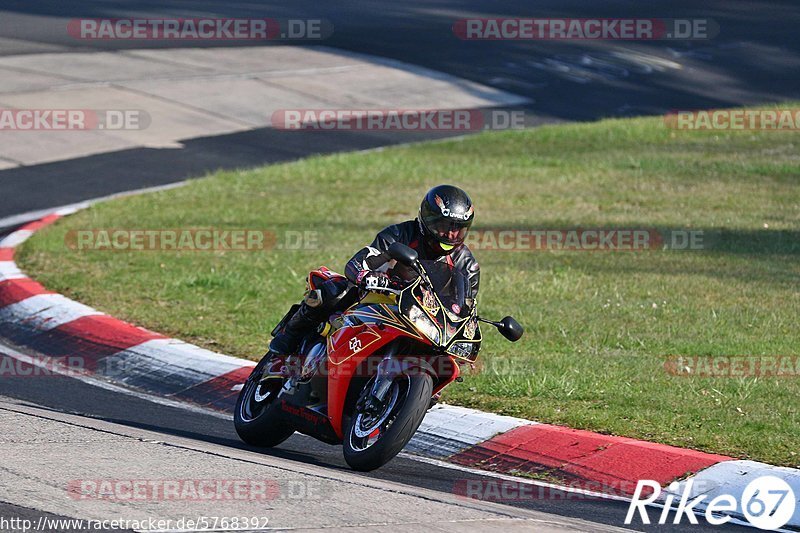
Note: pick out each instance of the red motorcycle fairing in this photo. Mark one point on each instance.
(348, 348)
(374, 326)
(448, 372)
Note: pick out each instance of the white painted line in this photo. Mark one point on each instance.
(68, 209)
(9, 270)
(447, 430)
(184, 355)
(168, 365)
(22, 218)
(44, 312)
(95, 382)
(12, 240)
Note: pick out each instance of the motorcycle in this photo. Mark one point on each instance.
(366, 380)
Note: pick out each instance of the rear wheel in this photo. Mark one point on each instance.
(256, 417)
(374, 438)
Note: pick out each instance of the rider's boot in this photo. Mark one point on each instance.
(315, 308)
(284, 346)
(303, 322)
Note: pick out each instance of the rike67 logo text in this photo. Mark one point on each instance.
(767, 502)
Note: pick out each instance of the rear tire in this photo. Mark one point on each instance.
(402, 420)
(257, 418)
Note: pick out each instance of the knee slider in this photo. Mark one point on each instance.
(314, 298)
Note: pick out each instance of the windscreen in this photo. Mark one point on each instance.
(449, 283)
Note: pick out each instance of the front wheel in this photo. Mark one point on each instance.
(256, 415)
(373, 439)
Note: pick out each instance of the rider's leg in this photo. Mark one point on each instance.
(317, 306)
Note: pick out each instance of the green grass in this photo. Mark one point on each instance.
(598, 324)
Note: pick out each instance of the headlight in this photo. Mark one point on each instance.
(461, 349)
(423, 323)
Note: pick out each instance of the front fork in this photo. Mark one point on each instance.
(388, 370)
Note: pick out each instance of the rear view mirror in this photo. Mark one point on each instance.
(510, 329)
(403, 254)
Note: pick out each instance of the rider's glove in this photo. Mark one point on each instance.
(369, 280)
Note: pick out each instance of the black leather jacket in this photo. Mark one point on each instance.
(409, 234)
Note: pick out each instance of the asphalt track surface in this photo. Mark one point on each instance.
(755, 59)
(70, 395)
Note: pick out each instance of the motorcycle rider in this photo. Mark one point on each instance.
(445, 216)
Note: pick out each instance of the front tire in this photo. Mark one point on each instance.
(256, 417)
(372, 441)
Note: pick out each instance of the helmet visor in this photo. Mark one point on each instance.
(449, 231)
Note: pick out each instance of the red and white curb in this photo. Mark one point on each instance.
(121, 353)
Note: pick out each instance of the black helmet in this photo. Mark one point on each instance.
(445, 216)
